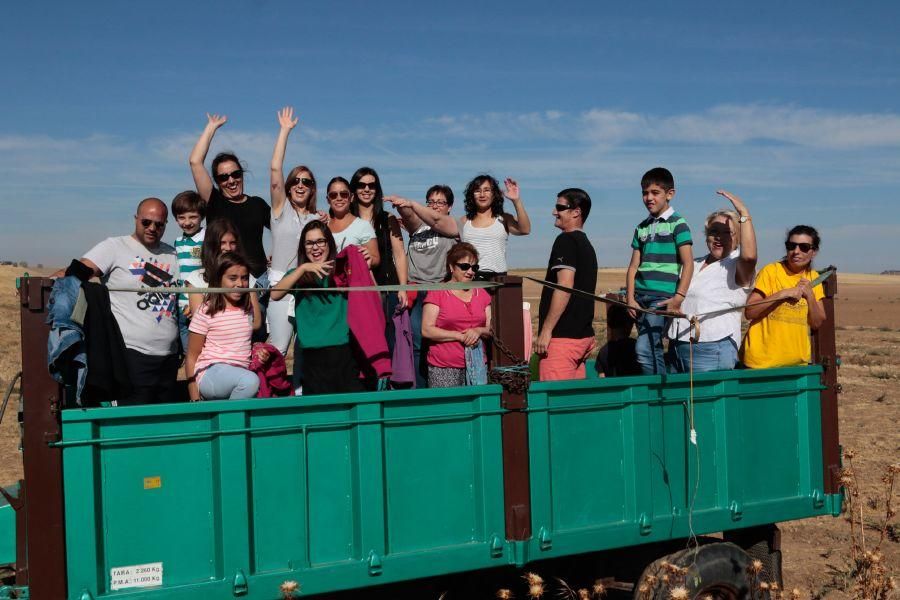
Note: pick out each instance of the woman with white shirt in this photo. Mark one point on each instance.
(722, 279)
(347, 228)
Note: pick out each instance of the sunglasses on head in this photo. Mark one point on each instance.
(804, 247)
(464, 266)
(305, 181)
(237, 175)
(562, 207)
(148, 222)
(367, 186)
(341, 194)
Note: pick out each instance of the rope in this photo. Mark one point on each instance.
(420, 287)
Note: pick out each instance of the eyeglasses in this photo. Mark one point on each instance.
(148, 222)
(237, 175)
(319, 243)
(804, 247)
(562, 207)
(305, 181)
(486, 191)
(467, 266)
(335, 195)
(436, 203)
(367, 186)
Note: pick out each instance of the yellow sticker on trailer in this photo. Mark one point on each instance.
(151, 483)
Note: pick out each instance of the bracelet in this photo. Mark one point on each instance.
(680, 294)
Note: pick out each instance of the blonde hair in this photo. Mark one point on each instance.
(731, 216)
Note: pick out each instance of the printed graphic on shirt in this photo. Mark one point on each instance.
(793, 314)
(155, 274)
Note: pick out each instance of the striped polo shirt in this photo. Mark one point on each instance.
(658, 240)
(227, 337)
(187, 249)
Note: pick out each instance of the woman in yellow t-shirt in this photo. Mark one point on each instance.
(779, 331)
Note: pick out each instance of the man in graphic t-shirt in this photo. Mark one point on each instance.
(147, 319)
(565, 327)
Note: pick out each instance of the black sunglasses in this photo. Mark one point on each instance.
(306, 181)
(804, 247)
(148, 222)
(364, 186)
(340, 194)
(562, 207)
(237, 175)
(467, 266)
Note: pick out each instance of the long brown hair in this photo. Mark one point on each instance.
(212, 244)
(313, 190)
(216, 301)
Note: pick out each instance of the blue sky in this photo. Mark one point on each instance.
(793, 106)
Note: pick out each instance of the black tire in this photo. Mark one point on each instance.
(718, 570)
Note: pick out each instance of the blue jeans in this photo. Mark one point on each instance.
(708, 356)
(651, 329)
(221, 381)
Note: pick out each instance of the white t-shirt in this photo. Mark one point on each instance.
(713, 288)
(358, 233)
(490, 241)
(147, 320)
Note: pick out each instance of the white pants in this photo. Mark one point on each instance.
(281, 331)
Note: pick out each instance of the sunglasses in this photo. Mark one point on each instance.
(335, 195)
(319, 243)
(367, 186)
(305, 181)
(148, 222)
(562, 207)
(237, 175)
(804, 247)
(467, 266)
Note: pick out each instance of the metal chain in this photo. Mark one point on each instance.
(515, 377)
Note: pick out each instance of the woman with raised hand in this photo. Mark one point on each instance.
(455, 319)
(225, 198)
(722, 279)
(347, 228)
(778, 335)
(321, 317)
(485, 225)
(293, 206)
(219, 344)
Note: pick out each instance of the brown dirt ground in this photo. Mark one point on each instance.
(868, 324)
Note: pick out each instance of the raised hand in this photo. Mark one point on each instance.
(319, 269)
(399, 202)
(512, 189)
(735, 201)
(286, 118)
(216, 121)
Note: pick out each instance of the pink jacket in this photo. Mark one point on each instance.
(273, 379)
(365, 314)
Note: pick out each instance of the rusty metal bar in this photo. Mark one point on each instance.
(508, 325)
(42, 398)
(825, 353)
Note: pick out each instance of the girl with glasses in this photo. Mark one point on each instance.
(321, 317)
(778, 335)
(455, 319)
(223, 193)
(722, 279)
(293, 206)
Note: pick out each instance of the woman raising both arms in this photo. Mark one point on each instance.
(486, 226)
(250, 214)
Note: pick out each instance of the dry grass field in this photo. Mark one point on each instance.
(868, 322)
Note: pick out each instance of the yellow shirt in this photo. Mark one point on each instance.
(781, 338)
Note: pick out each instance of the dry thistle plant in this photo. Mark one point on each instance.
(535, 585)
(288, 589)
(504, 594)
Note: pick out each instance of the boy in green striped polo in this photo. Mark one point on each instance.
(661, 267)
(189, 210)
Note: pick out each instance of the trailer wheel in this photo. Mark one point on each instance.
(718, 571)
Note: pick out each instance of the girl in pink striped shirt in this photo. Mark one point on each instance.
(218, 353)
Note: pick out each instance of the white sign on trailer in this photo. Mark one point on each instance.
(136, 576)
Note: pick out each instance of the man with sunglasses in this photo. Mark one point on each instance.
(147, 320)
(565, 322)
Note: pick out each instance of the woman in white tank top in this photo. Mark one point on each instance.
(486, 226)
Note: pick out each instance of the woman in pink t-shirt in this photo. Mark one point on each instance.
(454, 319)
(218, 353)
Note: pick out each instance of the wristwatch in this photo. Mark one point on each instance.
(744, 218)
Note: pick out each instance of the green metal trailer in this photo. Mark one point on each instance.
(233, 498)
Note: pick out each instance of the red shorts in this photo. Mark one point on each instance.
(565, 358)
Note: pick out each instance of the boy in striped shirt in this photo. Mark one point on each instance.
(189, 210)
(661, 267)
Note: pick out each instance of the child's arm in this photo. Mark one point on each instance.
(202, 179)
(276, 175)
(195, 346)
(629, 282)
(520, 224)
(194, 300)
(686, 257)
(291, 279)
(257, 313)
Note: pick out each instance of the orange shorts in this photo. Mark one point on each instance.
(565, 358)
